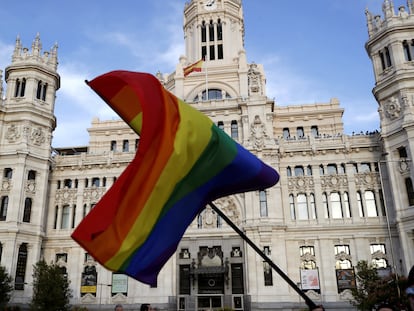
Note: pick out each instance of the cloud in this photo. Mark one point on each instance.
(288, 86)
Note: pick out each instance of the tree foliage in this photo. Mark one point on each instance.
(6, 287)
(51, 290)
(373, 289)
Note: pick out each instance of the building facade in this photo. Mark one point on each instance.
(341, 198)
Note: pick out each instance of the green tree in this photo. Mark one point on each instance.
(373, 290)
(6, 287)
(51, 290)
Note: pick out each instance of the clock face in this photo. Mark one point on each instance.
(210, 4)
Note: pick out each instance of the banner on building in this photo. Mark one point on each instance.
(345, 278)
(310, 279)
(119, 284)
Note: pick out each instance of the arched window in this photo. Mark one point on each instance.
(309, 170)
(347, 207)
(288, 171)
(219, 39)
(203, 32)
(312, 207)
(299, 171)
(321, 170)
(370, 203)
(213, 94)
(407, 51)
(56, 217)
(302, 206)
(336, 206)
(300, 132)
(286, 133)
(219, 30)
(211, 32)
(21, 267)
(16, 91)
(365, 168)
(27, 209)
(20, 88)
(325, 204)
(8, 173)
(65, 217)
(220, 125)
(341, 169)
(378, 255)
(95, 182)
(332, 169)
(31, 175)
(125, 145)
(73, 216)
(360, 206)
(314, 131)
(292, 206)
(113, 145)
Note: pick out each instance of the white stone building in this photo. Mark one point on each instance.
(326, 213)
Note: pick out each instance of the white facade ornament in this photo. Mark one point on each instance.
(392, 108)
(258, 133)
(13, 133)
(38, 136)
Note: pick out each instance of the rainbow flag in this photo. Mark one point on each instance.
(193, 67)
(183, 162)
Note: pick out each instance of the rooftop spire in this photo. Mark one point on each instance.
(388, 8)
(36, 45)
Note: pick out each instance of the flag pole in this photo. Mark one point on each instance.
(308, 301)
(205, 66)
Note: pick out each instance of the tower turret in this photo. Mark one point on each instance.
(27, 122)
(391, 49)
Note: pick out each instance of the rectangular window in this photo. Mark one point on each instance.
(3, 207)
(95, 182)
(237, 286)
(263, 203)
(65, 217)
(184, 285)
(113, 146)
(212, 54)
(300, 132)
(268, 276)
(8, 173)
(31, 175)
(125, 146)
(220, 51)
(234, 130)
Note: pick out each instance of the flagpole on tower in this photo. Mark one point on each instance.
(205, 66)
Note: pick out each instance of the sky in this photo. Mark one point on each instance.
(311, 51)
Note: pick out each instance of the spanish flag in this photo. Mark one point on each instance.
(183, 162)
(197, 66)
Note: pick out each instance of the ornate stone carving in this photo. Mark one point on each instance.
(31, 186)
(38, 136)
(228, 206)
(254, 80)
(13, 133)
(258, 133)
(392, 108)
